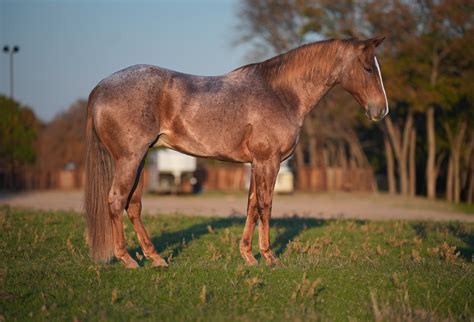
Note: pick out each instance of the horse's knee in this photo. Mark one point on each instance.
(264, 204)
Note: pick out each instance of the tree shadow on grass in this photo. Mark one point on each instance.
(288, 228)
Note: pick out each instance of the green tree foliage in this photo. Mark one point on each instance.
(18, 131)
(18, 126)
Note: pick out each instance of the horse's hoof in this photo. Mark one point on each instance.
(127, 261)
(271, 259)
(273, 262)
(130, 264)
(250, 259)
(158, 262)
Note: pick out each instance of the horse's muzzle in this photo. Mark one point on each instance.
(376, 112)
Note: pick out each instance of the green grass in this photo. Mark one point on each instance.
(330, 270)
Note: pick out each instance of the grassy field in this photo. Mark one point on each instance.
(330, 270)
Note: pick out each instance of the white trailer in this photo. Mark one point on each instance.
(166, 169)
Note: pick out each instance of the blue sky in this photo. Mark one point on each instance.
(68, 46)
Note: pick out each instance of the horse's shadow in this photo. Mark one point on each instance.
(288, 228)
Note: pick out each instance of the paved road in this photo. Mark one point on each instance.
(335, 205)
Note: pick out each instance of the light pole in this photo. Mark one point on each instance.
(11, 51)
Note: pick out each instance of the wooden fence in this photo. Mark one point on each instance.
(335, 179)
(233, 178)
(226, 178)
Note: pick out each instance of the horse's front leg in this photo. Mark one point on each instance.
(265, 178)
(252, 216)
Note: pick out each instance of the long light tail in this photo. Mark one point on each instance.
(99, 172)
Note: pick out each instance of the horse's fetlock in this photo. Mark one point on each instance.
(244, 244)
(119, 253)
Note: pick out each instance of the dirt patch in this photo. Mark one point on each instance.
(326, 205)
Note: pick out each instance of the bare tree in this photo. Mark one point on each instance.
(62, 140)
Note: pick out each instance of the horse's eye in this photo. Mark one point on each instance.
(368, 69)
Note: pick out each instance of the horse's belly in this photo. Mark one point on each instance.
(212, 148)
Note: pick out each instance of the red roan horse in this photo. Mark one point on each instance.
(252, 114)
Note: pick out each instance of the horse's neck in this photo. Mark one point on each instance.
(307, 83)
(309, 94)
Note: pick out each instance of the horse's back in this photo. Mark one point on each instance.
(135, 81)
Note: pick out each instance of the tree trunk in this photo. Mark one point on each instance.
(404, 157)
(392, 187)
(449, 180)
(412, 163)
(299, 164)
(431, 173)
(470, 162)
(457, 161)
(455, 142)
(326, 160)
(299, 156)
(400, 145)
(470, 189)
(355, 149)
(456, 177)
(313, 157)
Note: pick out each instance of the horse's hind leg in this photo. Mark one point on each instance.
(124, 177)
(134, 210)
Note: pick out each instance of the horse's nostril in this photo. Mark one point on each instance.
(381, 114)
(368, 114)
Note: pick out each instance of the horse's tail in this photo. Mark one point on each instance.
(99, 172)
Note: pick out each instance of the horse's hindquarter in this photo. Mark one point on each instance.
(123, 110)
(227, 117)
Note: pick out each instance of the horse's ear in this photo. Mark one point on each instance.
(376, 41)
(370, 43)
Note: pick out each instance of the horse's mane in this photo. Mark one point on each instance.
(305, 59)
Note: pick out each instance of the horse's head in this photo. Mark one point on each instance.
(363, 79)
